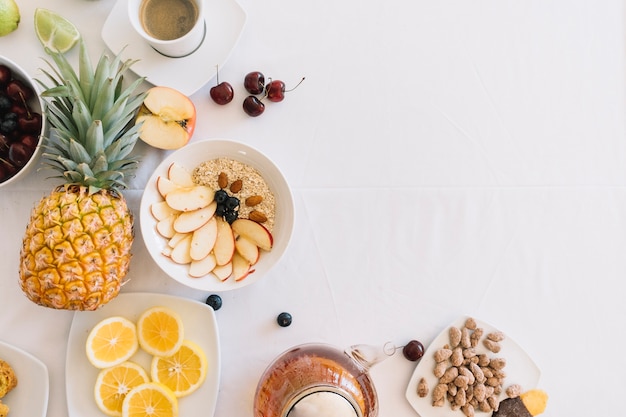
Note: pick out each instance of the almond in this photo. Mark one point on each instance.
(257, 216)
(253, 200)
(236, 186)
(222, 180)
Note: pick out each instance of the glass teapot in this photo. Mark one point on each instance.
(319, 380)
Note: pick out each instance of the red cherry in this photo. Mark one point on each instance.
(29, 140)
(276, 90)
(222, 93)
(29, 123)
(413, 350)
(254, 82)
(18, 91)
(253, 106)
(19, 153)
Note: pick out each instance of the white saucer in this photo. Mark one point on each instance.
(225, 20)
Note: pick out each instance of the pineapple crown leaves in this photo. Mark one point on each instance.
(92, 117)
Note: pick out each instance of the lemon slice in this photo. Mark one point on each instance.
(54, 31)
(160, 331)
(111, 342)
(150, 400)
(114, 383)
(183, 372)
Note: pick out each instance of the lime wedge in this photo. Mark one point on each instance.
(54, 31)
(9, 16)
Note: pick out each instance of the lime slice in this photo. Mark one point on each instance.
(9, 16)
(54, 31)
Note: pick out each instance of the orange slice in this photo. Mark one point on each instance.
(114, 383)
(150, 400)
(160, 331)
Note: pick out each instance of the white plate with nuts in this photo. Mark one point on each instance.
(192, 231)
(468, 369)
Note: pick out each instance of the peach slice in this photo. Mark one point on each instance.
(224, 247)
(254, 231)
(202, 267)
(203, 240)
(247, 249)
(188, 221)
(189, 199)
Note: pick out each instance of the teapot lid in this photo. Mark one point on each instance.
(323, 404)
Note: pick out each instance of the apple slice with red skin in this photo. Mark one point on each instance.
(203, 240)
(165, 186)
(188, 221)
(167, 117)
(254, 231)
(223, 272)
(161, 210)
(190, 199)
(247, 249)
(224, 247)
(202, 267)
(241, 267)
(179, 175)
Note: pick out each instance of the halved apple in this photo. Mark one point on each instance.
(203, 240)
(179, 175)
(202, 267)
(224, 247)
(247, 249)
(191, 198)
(254, 231)
(188, 221)
(161, 210)
(167, 117)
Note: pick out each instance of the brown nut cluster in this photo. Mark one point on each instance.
(235, 187)
(467, 379)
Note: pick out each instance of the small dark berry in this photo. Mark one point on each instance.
(231, 216)
(232, 203)
(220, 196)
(284, 319)
(214, 301)
(413, 350)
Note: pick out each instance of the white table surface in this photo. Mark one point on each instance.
(446, 158)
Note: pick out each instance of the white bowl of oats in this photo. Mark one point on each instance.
(216, 215)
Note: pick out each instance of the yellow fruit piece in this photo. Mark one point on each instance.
(160, 331)
(150, 400)
(114, 383)
(183, 372)
(535, 401)
(54, 31)
(111, 342)
(9, 16)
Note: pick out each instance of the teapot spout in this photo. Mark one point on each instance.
(366, 356)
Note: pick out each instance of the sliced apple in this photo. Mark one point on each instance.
(254, 231)
(247, 249)
(167, 251)
(167, 118)
(180, 175)
(202, 267)
(165, 186)
(224, 247)
(176, 238)
(203, 240)
(189, 221)
(189, 199)
(241, 267)
(165, 227)
(180, 252)
(161, 210)
(223, 272)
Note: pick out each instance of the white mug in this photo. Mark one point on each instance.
(161, 32)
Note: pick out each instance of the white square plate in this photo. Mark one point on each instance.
(30, 396)
(200, 327)
(225, 21)
(520, 369)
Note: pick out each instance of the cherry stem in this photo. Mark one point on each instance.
(296, 86)
(25, 104)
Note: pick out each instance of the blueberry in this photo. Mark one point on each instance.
(5, 102)
(220, 196)
(214, 301)
(230, 216)
(284, 319)
(220, 211)
(8, 125)
(232, 203)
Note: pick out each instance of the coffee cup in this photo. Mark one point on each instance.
(174, 28)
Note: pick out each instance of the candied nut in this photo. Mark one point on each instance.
(222, 180)
(493, 402)
(236, 186)
(484, 406)
(439, 393)
(442, 354)
(497, 363)
(455, 336)
(492, 345)
(513, 391)
(480, 392)
(465, 338)
(476, 335)
(468, 410)
(496, 336)
(457, 356)
(257, 216)
(449, 375)
(478, 372)
(422, 388)
(440, 369)
(253, 200)
(483, 360)
(439, 402)
(452, 389)
(469, 353)
(461, 381)
(470, 323)
(460, 399)
(493, 381)
(470, 376)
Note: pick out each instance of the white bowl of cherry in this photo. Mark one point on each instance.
(22, 122)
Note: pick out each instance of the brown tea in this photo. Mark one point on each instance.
(168, 19)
